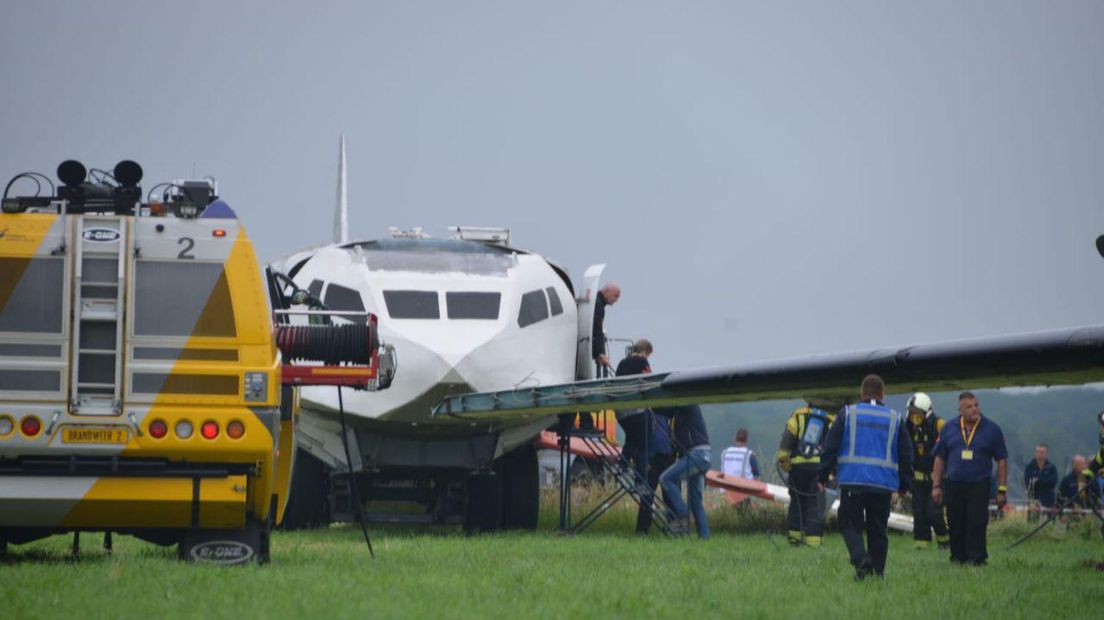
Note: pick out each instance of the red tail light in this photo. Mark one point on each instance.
(30, 426)
(235, 430)
(158, 429)
(209, 430)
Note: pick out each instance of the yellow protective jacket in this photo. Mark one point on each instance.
(791, 439)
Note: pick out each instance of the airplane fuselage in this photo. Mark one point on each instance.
(462, 316)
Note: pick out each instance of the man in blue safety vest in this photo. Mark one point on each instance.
(870, 451)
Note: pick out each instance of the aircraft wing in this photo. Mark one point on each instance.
(1057, 357)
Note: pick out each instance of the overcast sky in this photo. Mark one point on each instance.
(764, 181)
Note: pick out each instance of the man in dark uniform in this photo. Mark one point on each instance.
(799, 455)
(870, 450)
(923, 428)
(964, 455)
(632, 421)
(1040, 480)
(661, 457)
(608, 296)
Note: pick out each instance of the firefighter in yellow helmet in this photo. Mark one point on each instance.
(923, 428)
(799, 456)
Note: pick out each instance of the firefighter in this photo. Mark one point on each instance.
(799, 456)
(924, 428)
(1098, 462)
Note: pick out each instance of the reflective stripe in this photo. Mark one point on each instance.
(921, 476)
(867, 460)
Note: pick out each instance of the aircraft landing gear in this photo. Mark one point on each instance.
(483, 512)
(309, 498)
(520, 473)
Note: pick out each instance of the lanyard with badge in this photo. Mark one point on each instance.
(967, 453)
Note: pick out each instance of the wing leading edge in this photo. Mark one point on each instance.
(1056, 357)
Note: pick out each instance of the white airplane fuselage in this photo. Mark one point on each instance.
(462, 316)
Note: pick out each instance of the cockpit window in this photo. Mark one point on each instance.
(473, 305)
(554, 301)
(341, 298)
(412, 304)
(534, 308)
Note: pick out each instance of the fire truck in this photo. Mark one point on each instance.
(143, 390)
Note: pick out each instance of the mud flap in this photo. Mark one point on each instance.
(227, 546)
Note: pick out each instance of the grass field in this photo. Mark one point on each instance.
(604, 572)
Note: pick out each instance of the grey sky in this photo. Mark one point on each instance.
(765, 181)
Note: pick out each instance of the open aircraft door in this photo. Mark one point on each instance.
(588, 293)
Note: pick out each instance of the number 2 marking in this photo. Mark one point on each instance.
(188, 244)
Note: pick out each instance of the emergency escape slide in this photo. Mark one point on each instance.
(1055, 357)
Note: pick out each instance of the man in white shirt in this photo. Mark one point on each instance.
(739, 461)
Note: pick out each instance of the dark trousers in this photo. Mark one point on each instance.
(926, 514)
(967, 517)
(657, 464)
(635, 427)
(806, 511)
(868, 512)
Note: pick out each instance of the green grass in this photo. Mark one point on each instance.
(604, 572)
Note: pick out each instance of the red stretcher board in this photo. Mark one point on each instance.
(548, 441)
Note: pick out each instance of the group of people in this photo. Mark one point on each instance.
(668, 446)
(867, 450)
(871, 452)
(1079, 488)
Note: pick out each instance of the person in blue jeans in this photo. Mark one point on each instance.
(692, 441)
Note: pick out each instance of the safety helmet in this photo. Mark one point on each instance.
(921, 401)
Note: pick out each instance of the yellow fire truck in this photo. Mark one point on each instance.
(140, 378)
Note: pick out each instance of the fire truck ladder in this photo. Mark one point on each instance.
(99, 295)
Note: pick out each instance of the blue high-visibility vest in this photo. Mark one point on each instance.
(868, 453)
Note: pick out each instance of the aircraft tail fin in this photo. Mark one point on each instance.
(341, 215)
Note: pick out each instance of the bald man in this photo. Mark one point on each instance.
(608, 296)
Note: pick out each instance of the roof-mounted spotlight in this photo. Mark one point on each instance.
(128, 173)
(71, 172)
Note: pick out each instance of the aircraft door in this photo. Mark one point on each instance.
(588, 292)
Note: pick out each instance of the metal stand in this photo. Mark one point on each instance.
(630, 481)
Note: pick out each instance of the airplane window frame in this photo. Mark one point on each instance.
(554, 303)
(463, 307)
(526, 308)
(388, 297)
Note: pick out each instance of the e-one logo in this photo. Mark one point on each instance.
(222, 552)
(101, 235)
